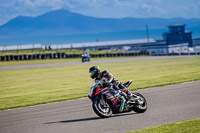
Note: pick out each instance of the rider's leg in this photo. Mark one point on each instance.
(124, 89)
(121, 87)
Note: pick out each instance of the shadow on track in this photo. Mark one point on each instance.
(90, 119)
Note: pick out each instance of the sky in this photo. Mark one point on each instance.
(10, 9)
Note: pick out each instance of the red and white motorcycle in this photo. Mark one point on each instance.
(108, 101)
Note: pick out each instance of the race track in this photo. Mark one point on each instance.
(18, 67)
(168, 104)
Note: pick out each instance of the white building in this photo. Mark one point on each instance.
(178, 48)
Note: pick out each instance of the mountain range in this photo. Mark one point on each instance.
(63, 22)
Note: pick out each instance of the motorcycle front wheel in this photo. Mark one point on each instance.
(141, 104)
(104, 111)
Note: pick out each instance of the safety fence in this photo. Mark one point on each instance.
(63, 55)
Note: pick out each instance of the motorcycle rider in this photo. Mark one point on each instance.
(86, 55)
(107, 79)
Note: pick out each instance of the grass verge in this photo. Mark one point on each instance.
(31, 62)
(46, 61)
(191, 126)
(27, 87)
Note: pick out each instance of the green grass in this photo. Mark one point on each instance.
(30, 62)
(27, 87)
(45, 61)
(191, 126)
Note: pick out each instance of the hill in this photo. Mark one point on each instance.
(63, 22)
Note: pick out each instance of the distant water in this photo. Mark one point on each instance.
(81, 38)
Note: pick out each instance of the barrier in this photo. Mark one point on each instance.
(2, 58)
(57, 56)
(63, 55)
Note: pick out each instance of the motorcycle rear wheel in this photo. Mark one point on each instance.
(140, 106)
(83, 60)
(100, 110)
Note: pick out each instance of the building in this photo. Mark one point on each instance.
(178, 48)
(156, 49)
(164, 49)
(175, 41)
(177, 35)
(196, 45)
(196, 42)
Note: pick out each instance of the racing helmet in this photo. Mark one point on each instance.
(94, 71)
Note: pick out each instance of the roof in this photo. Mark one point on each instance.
(161, 43)
(176, 25)
(16, 47)
(81, 45)
(188, 31)
(105, 43)
(178, 45)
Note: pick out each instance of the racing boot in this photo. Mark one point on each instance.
(129, 95)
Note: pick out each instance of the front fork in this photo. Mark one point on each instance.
(102, 101)
(123, 100)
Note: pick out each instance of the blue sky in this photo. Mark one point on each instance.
(10, 9)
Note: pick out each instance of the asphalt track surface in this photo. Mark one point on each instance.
(5, 68)
(168, 104)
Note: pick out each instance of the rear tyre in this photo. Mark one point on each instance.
(83, 60)
(100, 110)
(141, 105)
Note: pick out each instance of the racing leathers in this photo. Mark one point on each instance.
(107, 79)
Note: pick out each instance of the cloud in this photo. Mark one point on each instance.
(122, 2)
(147, 7)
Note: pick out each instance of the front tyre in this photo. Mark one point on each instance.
(103, 111)
(141, 104)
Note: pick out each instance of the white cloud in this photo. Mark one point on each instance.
(122, 3)
(147, 7)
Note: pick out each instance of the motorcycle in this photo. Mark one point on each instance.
(108, 101)
(85, 58)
